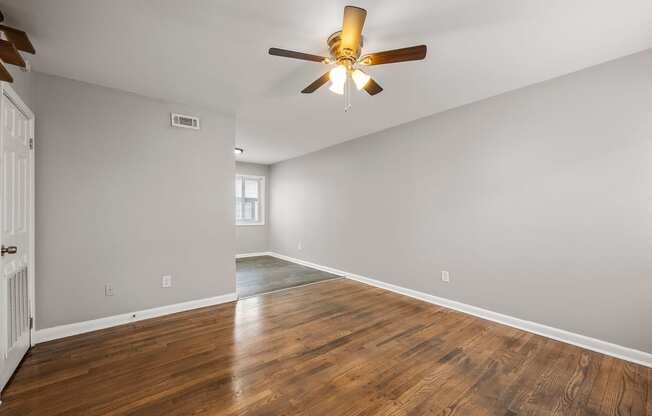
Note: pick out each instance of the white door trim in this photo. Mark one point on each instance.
(11, 94)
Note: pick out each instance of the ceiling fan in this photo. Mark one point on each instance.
(345, 53)
(14, 40)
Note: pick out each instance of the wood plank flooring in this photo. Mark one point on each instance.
(334, 348)
(263, 274)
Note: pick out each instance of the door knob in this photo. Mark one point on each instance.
(8, 250)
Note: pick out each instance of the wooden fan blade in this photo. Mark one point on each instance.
(316, 84)
(297, 55)
(5, 75)
(351, 36)
(372, 87)
(414, 53)
(10, 54)
(18, 38)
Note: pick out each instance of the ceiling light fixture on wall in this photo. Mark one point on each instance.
(238, 150)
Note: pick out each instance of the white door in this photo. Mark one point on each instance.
(15, 221)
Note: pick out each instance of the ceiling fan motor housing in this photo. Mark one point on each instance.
(341, 55)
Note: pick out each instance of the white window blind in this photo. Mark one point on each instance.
(249, 200)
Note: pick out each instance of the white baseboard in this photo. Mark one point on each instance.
(309, 264)
(62, 331)
(593, 344)
(245, 255)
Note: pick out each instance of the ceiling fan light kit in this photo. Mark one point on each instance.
(360, 78)
(345, 53)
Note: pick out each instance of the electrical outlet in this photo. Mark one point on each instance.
(166, 280)
(445, 276)
(300, 246)
(108, 289)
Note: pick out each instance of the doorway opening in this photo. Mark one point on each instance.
(257, 271)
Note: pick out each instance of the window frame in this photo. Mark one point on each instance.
(261, 199)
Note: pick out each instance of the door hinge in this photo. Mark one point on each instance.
(31, 323)
(31, 143)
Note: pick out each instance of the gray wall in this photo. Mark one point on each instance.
(122, 198)
(22, 84)
(538, 202)
(253, 238)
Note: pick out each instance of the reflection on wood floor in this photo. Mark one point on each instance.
(334, 348)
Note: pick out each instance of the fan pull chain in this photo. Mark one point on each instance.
(347, 93)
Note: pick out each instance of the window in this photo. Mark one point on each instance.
(249, 200)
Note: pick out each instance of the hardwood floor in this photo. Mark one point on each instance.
(263, 274)
(334, 348)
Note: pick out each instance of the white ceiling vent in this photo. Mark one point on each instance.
(186, 122)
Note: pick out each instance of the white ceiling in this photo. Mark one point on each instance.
(214, 54)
